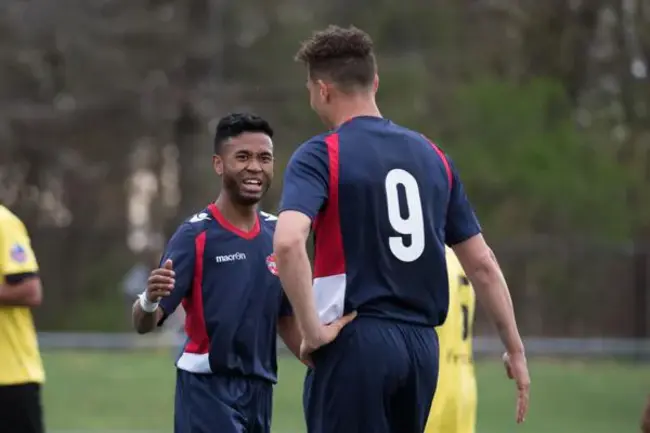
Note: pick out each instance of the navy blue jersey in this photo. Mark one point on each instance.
(227, 281)
(384, 200)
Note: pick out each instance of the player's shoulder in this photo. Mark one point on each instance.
(194, 224)
(267, 220)
(311, 156)
(316, 145)
(7, 216)
(417, 137)
(10, 220)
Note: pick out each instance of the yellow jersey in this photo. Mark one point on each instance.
(20, 360)
(454, 405)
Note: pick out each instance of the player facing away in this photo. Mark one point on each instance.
(383, 201)
(220, 265)
(454, 406)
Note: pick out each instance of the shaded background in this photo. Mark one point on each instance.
(107, 108)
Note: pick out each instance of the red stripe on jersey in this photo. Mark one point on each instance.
(329, 258)
(441, 154)
(193, 305)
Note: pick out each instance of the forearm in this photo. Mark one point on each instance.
(296, 277)
(290, 333)
(27, 293)
(144, 322)
(492, 292)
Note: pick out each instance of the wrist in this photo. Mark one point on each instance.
(311, 329)
(146, 304)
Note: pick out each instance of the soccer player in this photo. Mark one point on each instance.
(454, 406)
(21, 368)
(220, 265)
(383, 201)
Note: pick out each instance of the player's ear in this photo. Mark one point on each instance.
(323, 90)
(217, 164)
(375, 83)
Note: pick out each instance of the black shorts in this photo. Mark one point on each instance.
(20, 408)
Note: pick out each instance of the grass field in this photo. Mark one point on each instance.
(100, 392)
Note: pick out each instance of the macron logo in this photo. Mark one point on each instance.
(230, 258)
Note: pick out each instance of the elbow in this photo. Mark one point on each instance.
(34, 295)
(36, 300)
(484, 268)
(285, 243)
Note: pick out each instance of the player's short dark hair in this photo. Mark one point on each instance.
(235, 124)
(343, 55)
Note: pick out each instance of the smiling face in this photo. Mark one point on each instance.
(246, 166)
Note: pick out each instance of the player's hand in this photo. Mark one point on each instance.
(645, 420)
(161, 282)
(326, 335)
(517, 369)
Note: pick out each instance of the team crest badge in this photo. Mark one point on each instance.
(18, 254)
(271, 264)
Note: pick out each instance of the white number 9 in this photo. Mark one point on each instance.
(413, 224)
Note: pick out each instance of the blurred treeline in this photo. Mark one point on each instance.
(543, 105)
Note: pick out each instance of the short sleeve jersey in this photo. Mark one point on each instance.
(20, 360)
(384, 201)
(226, 280)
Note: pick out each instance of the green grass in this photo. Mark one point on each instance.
(100, 391)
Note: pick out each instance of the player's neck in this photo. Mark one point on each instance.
(242, 217)
(355, 108)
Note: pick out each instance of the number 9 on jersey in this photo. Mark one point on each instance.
(413, 224)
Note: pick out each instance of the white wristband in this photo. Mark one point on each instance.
(146, 305)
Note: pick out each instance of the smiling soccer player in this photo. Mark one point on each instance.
(220, 265)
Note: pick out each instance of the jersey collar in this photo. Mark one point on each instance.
(248, 235)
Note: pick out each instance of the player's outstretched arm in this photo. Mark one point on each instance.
(492, 292)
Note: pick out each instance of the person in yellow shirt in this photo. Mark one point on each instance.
(454, 405)
(21, 369)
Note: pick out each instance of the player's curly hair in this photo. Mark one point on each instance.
(235, 124)
(342, 55)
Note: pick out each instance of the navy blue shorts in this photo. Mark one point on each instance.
(208, 403)
(378, 376)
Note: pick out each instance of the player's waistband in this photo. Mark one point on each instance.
(372, 315)
(200, 364)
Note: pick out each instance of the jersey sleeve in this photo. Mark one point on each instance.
(182, 251)
(306, 179)
(17, 259)
(461, 223)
